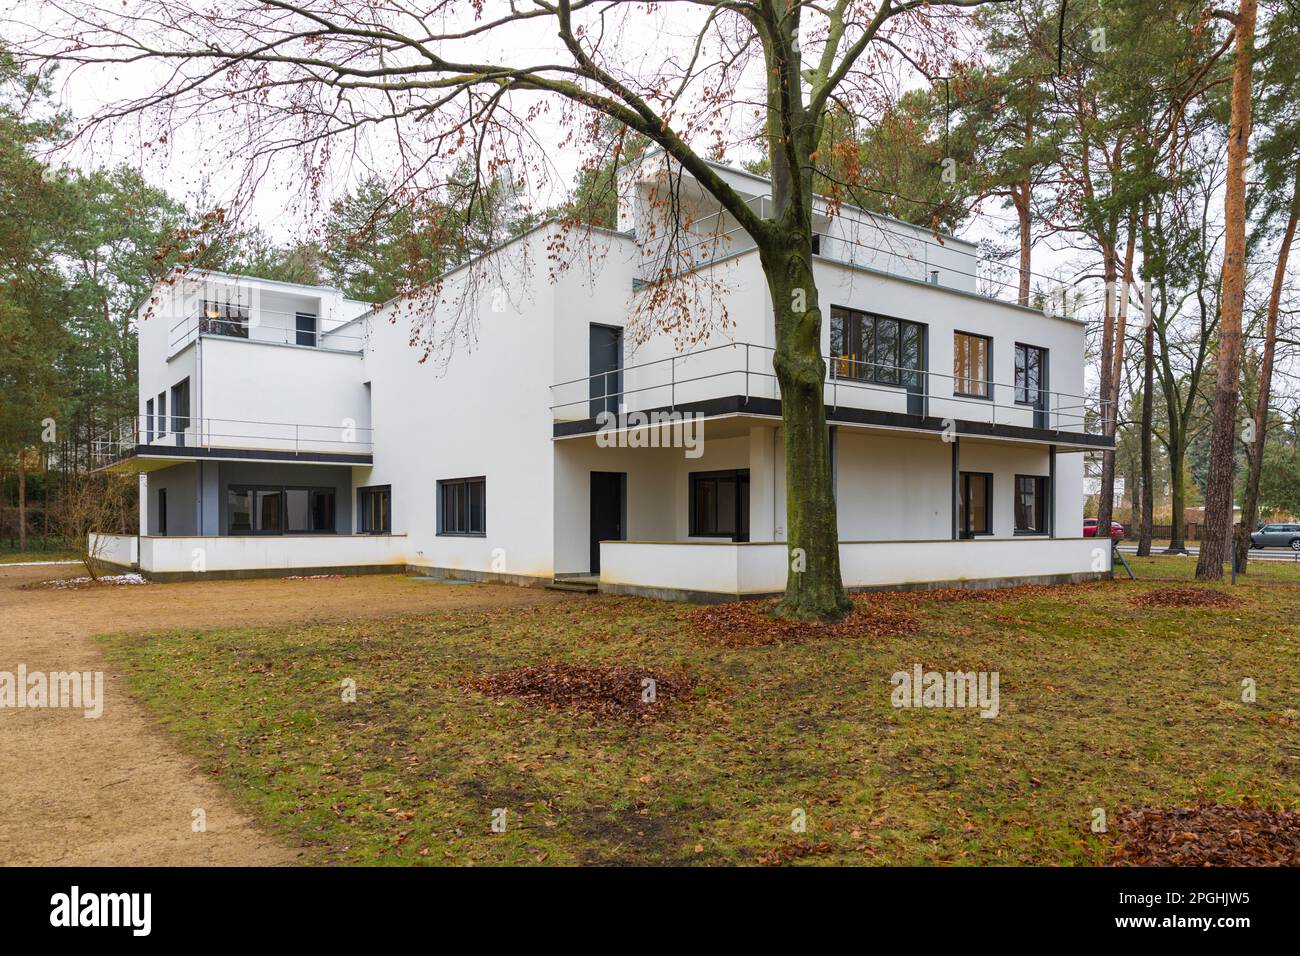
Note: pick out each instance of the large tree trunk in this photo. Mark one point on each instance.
(1250, 505)
(1148, 407)
(1216, 542)
(814, 590)
(1106, 498)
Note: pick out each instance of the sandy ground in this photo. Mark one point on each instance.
(116, 791)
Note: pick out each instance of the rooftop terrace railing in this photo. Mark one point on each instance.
(259, 325)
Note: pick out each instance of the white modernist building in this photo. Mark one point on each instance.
(530, 424)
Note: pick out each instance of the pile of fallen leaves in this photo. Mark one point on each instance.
(746, 623)
(1185, 597)
(789, 852)
(74, 584)
(959, 595)
(617, 693)
(1211, 834)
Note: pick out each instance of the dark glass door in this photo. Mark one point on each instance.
(1031, 382)
(608, 508)
(606, 369)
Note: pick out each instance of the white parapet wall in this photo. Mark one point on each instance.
(119, 549)
(199, 555)
(737, 569)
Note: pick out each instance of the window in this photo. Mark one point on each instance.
(605, 364)
(148, 421)
(720, 504)
(975, 504)
(462, 506)
(224, 318)
(1031, 504)
(181, 406)
(162, 414)
(277, 510)
(1031, 376)
(971, 362)
(375, 510)
(162, 511)
(875, 348)
(305, 328)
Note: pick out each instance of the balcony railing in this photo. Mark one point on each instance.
(232, 434)
(259, 325)
(743, 368)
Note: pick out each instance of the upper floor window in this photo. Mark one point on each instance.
(148, 421)
(876, 348)
(181, 406)
(1031, 375)
(375, 510)
(304, 328)
(462, 506)
(224, 318)
(971, 364)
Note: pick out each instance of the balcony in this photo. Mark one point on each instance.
(261, 325)
(737, 378)
(138, 444)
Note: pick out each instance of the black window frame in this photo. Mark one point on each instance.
(162, 512)
(161, 410)
(148, 421)
(844, 365)
(282, 491)
(987, 381)
(385, 495)
(1042, 498)
(740, 498)
(312, 335)
(964, 511)
(1024, 348)
(451, 486)
(231, 319)
(180, 423)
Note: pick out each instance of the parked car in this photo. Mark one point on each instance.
(1090, 529)
(1277, 536)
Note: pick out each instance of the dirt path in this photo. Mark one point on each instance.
(116, 790)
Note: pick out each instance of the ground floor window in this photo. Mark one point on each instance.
(975, 511)
(375, 509)
(1031, 504)
(162, 510)
(720, 504)
(462, 506)
(279, 510)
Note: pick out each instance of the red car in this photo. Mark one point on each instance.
(1090, 529)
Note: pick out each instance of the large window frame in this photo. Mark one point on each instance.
(375, 509)
(462, 507)
(965, 525)
(869, 347)
(181, 406)
(965, 383)
(1038, 489)
(306, 329)
(708, 518)
(280, 494)
(224, 318)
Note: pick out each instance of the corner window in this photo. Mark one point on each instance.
(720, 504)
(975, 504)
(1031, 504)
(462, 506)
(375, 510)
(971, 365)
(224, 318)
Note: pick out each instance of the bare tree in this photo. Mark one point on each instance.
(91, 506)
(315, 78)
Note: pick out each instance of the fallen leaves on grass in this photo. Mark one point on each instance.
(986, 595)
(617, 693)
(789, 852)
(744, 623)
(75, 584)
(1211, 834)
(1185, 597)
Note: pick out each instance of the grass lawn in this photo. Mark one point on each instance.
(1103, 703)
(38, 549)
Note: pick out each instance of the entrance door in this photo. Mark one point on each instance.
(606, 369)
(608, 511)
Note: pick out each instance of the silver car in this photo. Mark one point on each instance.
(1277, 536)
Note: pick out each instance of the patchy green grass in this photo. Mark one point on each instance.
(38, 549)
(1103, 704)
